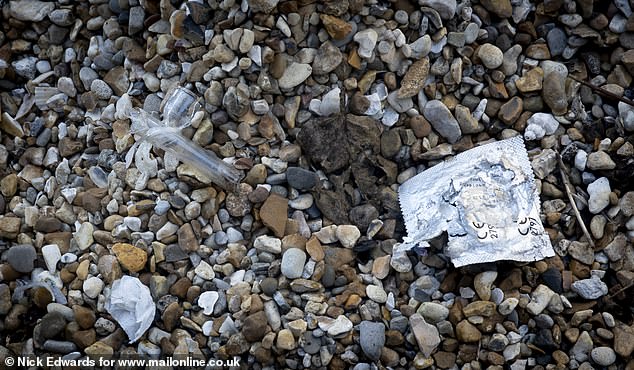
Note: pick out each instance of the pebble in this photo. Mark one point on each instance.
(348, 235)
(207, 301)
(372, 338)
(442, 120)
(93, 286)
(426, 335)
(491, 56)
(293, 261)
(21, 258)
(603, 356)
(294, 74)
(592, 288)
(432, 312)
(599, 191)
(367, 42)
(539, 125)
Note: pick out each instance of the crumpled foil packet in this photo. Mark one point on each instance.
(487, 202)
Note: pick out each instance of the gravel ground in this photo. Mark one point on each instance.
(326, 107)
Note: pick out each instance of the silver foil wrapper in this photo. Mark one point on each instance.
(487, 202)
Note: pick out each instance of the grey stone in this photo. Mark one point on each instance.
(300, 178)
(372, 338)
(30, 10)
(293, 262)
(21, 258)
(442, 120)
(446, 8)
(592, 288)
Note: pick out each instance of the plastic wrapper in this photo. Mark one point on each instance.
(487, 202)
(131, 304)
(179, 107)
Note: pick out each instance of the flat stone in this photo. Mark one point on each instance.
(274, 213)
(426, 335)
(446, 8)
(30, 10)
(599, 191)
(491, 56)
(372, 338)
(414, 79)
(293, 262)
(467, 332)
(442, 120)
(130, 257)
(433, 312)
(294, 74)
(21, 258)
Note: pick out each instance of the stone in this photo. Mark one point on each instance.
(187, 240)
(446, 8)
(84, 316)
(599, 191)
(432, 312)
(254, 326)
(426, 335)
(327, 59)
(339, 326)
(592, 288)
(376, 293)
(301, 179)
(600, 160)
(582, 347)
(84, 235)
(274, 213)
(9, 226)
(21, 258)
(100, 89)
(511, 110)
(294, 74)
(554, 86)
(539, 125)
(268, 244)
(491, 56)
(372, 338)
(540, 298)
(624, 340)
(467, 332)
(30, 10)
(130, 257)
(483, 283)
(285, 340)
(603, 356)
(207, 301)
(501, 8)
(93, 286)
(293, 261)
(52, 255)
(263, 6)
(442, 120)
(414, 79)
(532, 81)
(337, 28)
(367, 42)
(348, 235)
(507, 306)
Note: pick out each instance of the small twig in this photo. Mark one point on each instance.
(628, 286)
(573, 204)
(603, 91)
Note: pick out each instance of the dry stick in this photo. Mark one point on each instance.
(603, 91)
(568, 187)
(628, 286)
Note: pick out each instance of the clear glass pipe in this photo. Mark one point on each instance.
(179, 107)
